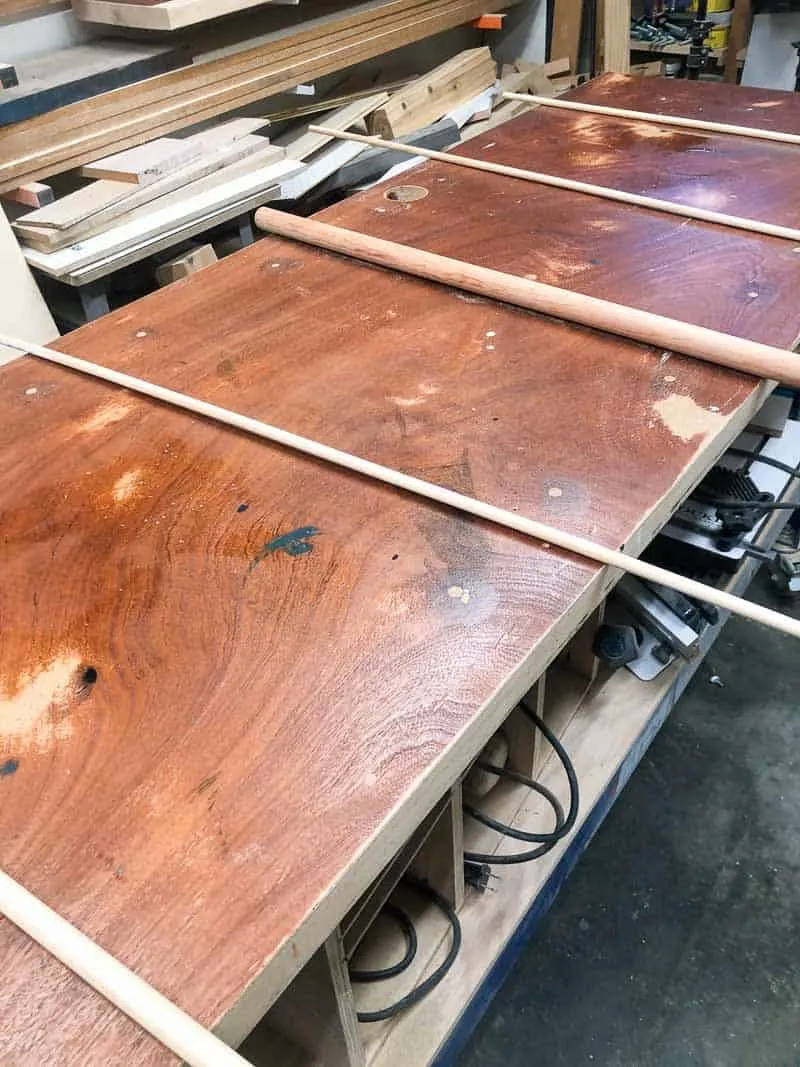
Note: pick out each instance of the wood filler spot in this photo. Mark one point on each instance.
(31, 390)
(603, 225)
(767, 103)
(685, 418)
(106, 415)
(491, 333)
(33, 710)
(669, 378)
(407, 401)
(555, 492)
(455, 592)
(125, 485)
(141, 333)
(650, 132)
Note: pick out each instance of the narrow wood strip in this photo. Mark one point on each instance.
(605, 192)
(662, 120)
(540, 531)
(167, 1023)
(764, 361)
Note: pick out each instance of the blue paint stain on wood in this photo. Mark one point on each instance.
(8, 767)
(296, 543)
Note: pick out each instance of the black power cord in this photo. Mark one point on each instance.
(419, 992)
(563, 825)
(750, 453)
(410, 932)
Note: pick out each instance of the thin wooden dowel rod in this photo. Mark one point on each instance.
(540, 531)
(664, 120)
(750, 356)
(605, 192)
(166, 1022)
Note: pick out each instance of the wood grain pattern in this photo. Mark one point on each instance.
(259, 719)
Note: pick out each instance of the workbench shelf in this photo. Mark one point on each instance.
(606, 720)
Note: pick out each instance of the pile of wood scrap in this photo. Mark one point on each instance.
(135, 183)
(81, 132)
(543, 79)
(426, 111)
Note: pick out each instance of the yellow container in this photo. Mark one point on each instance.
(714, 6)
(718, 38)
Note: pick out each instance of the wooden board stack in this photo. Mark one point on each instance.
(142, 179)
(111, 122)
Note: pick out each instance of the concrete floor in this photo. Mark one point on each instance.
(677, 938)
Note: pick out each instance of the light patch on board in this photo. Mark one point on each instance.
(31, 711)
(685, 418)
(125, 486)
(106, 415)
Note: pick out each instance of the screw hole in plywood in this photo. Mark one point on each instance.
(406, 193)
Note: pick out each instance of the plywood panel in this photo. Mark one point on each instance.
(286, 678)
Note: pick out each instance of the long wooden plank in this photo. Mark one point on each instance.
(543, 532)
(146, 163)
(245, 720)
(565, 39)
(67, 75)
(72, 136)
(166, 16)
(616, 36)
(622, 196)
(661, 331)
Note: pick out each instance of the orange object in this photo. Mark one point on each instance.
(489, 22)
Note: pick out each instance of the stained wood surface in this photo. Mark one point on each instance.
(291, 664)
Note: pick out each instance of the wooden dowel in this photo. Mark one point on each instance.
(540, 531)
(605, 192)
(750, 356)
(166, 1022)
(664, 120)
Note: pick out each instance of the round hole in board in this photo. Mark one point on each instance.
(406, 193)
(89, 676)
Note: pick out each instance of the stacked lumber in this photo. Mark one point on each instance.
(111, 122)
(140, 179)
(425, 100)
(69, 75)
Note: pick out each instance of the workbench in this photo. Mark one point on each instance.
(239, 688)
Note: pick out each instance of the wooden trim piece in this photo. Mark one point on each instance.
(616, 36)
(662, 120)
(605, 192)
(167, 1023)
(539, 531)
(565, 39)
(752, 357)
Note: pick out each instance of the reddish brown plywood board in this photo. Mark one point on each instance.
(265, 727)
